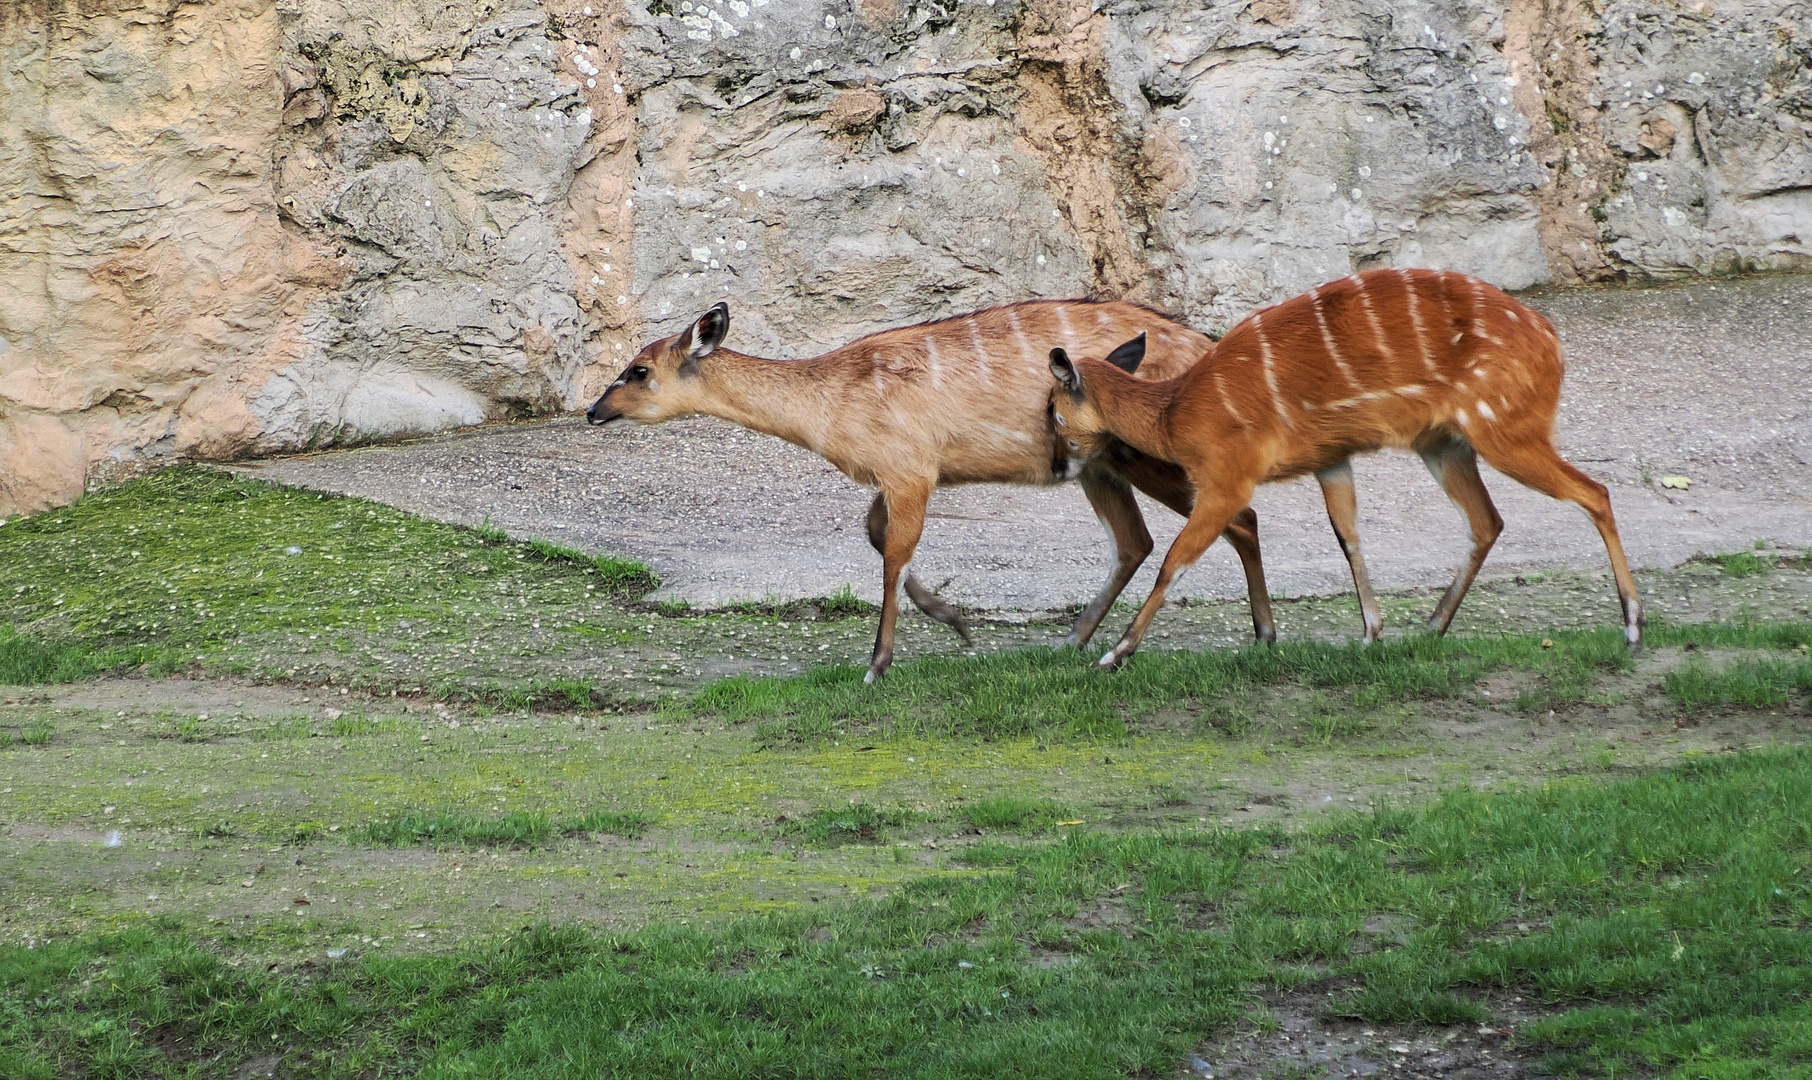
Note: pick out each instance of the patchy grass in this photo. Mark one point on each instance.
(27, 661)
(1659, 921)
(1756, 684)
(524, 828)
(856, 823)
(190, 561)
(1063, 693)
(1737, 634)
(1017, 815)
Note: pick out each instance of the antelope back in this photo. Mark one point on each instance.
(1385, 358)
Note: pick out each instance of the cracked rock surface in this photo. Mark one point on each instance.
(248, 226)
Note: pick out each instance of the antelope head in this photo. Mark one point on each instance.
(662, 382)
(1076, 415)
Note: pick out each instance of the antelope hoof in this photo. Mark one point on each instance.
(1112, 659)
(878, 667)
(1266, 635)
(1070, 641)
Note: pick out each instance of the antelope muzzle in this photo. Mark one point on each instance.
(602, 412)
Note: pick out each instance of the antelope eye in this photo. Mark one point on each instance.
(638, 373)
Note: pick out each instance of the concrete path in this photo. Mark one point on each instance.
(1710, 380)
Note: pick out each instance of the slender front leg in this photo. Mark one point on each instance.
(905, 521)
(1343, 514)
(1112, 499)
(924, 599)
(1213, 510)
(1169, 484)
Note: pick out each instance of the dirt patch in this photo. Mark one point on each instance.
(1292, 1036)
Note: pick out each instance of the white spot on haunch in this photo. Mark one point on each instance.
(1461, 416)
(1485, 411)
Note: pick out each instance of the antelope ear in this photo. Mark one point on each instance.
(1128, 356)
(1065, 372)
(704, 336)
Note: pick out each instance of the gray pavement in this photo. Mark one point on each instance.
(1708, 380)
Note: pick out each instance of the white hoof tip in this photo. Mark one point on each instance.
(1107, 661)
(870, 677)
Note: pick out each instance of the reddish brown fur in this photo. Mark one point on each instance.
(1437, 362)
(962, 400)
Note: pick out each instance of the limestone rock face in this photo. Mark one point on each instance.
(247, 226)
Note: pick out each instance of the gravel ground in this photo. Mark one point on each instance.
(1708, 380)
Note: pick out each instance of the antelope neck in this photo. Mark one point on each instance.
(774, 397)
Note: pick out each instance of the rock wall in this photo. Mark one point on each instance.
(243, 226)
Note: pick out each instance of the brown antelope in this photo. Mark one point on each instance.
(960, 401)
(1438, 362)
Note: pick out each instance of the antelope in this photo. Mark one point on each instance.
(959, 401)
(1441, 363)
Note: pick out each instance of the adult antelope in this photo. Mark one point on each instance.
(1438, 362)
(959, 401)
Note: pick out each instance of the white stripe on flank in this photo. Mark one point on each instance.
(1485, 411)
(1008, 433)
(1414, 391)
(1327, 338)
(1025, 347)
(1063, 326)
(1415, 318)
(1371, 395)
(931, 361)
(1371, 316)
(1264, 357)
(1226, 401)
(1511, 315)
(981, 351)
(1478, 307)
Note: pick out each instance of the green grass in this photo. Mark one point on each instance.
(520, 828)
(857, 823)
(27, 661)
(1039, 691)
(628, 824)
(1742, 563)
(1657, 926)
(190, 559)
(1753, 683)
(1735, 634)
(1016, 815)
(625, 577)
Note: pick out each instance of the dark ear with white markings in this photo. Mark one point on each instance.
(1065, 372)
(1129, 356)
(704, 336)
